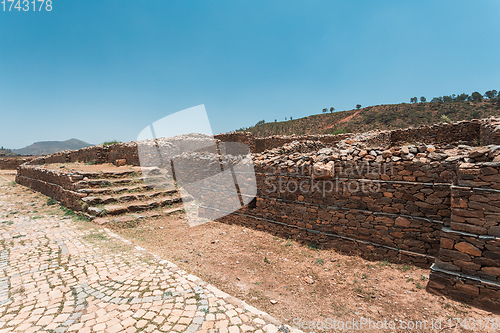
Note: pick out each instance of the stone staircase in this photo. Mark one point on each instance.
(123, 198)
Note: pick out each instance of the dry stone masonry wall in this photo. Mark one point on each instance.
(428, 196)
(434, 201)
(12, 163)
(55, 184)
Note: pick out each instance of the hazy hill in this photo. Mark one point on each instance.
(6, 152)
(381, 117)
(50, 147)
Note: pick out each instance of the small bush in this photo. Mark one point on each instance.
(96, 236)
(339, 131)
(384, 263)
(313, 246)
(405, 268)
(476, 114)
(445, 119)
(109, 143)
(51, 202)
(73, 215)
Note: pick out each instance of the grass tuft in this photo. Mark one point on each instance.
(109, 143)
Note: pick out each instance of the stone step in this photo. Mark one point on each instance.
(119, 174)
(111, 190)
(107, 173)
(133, 219)
(103, 182)
(172, 210)
(132, 206)
(126, 194)
(107, 199)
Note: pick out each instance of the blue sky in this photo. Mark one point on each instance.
(98, 70)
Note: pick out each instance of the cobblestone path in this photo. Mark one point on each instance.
(58, 275)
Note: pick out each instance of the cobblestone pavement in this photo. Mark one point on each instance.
(58, 275)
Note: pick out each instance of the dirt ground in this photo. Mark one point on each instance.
(295, 283)
(89, 167)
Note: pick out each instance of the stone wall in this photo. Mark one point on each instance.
(440, 133)
(11, 163)
(263, 144)
(490, 131)
(243, 137)
(55, 184)
(97, 154)
(435, 200)
(393, 201)
(436, 203)
(468, 265)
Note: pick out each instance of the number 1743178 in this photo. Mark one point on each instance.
(26, 5)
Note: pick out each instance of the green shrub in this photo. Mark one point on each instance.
(445, 119)
(109, 143)
(313, 246)
(73, 214)
(338, 131)
(51, 202)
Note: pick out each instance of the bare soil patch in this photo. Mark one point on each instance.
(346, 119)
(294, 281)
(90, 167)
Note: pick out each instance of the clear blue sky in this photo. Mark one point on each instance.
(99, 70)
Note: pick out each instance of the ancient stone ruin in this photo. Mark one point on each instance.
(428, 196)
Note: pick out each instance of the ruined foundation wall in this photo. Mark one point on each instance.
(468, 265)
(490, 132)
(262, 144)
(436, 205)
(95, 154)
(395, 209)
(11, 163)
(440, 133)
(54, 184)
(433, 200)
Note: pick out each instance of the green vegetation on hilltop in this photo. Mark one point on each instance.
(109, 143)
(440, 109)
(6, 152)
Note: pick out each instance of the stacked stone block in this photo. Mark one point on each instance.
(468, 265)
(440, 133)
(12, 163)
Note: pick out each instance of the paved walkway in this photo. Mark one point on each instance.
(59, 276)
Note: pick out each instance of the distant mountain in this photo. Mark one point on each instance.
(51, 147)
